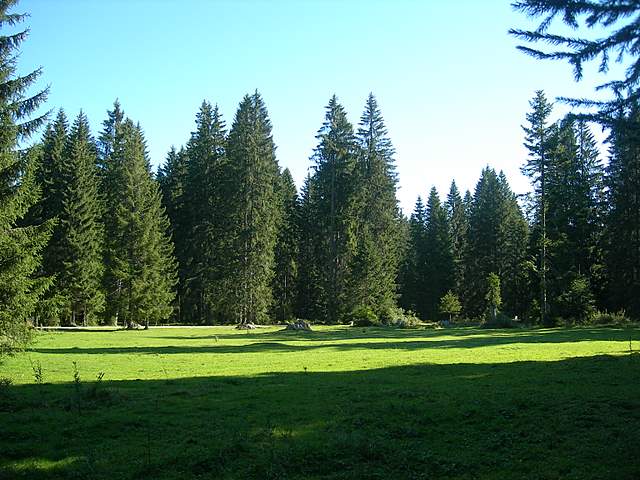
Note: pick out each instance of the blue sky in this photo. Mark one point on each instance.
(451, 86)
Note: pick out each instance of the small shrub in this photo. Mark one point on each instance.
(38, 376)
(364, 317)
(500, 321)
(606, 318)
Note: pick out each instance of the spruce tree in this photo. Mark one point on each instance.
(21, 285)
(377, 236)
(415, 260)
(539, 141)
(144, 267)
(623, 216)
(458, 227)
(172, 179)
(81, 228)
(334, 163)
(439, 271)
(252, 213)
(285, 280)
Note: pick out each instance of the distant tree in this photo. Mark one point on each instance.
(144, 267)
(539, 140)
(82, 229)
(450, 305)
(415, 261)
(618, 18)
(377, 233)
(334, 206)
(252, 213)
(577, 302)
(458, 227)
(439, 268)
(285, 280)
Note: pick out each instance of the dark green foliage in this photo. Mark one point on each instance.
(378, 232)
(439, 269)
(143, 266)
(576, 303)
(539, 140)
(333, 188)
(81, 248)
(285, 280)
(622, 237)
(497, 244)
(458, 219)
(252, 214)
(204, 202)
(413, 269)
(618, 18)
(21, 245)
(493, 296)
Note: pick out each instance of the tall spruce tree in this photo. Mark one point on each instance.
(21, 285)
(439, 271)
(539, 141)
(497, 242)
(172, 178)
(285, 280)
(414, 264)
(203, 256)
(377, 237)
(623, 217)
(458, 227)
(252, 213)
(335, 162)
(51, 180)
(82, 231)
(143, 265)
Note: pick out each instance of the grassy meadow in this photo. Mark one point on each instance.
(337, 403)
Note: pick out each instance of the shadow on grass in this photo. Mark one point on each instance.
(577, 418)
(346, 339)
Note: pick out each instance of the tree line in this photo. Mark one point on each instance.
(220, 234)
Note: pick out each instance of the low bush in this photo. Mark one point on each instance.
(363, 317)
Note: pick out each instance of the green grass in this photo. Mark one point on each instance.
(336, 403)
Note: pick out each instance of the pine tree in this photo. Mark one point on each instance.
(81, 275)
(497, 244)
(458, 227)
(144, 267)
(50, 178)
(539, 141)
(21, 286)
(623, 217)
(335, 163)
(202, 253)
(285, 281)
(172, 179)
(439, 272)
(252, 214)
(377, 236)
(414, 265)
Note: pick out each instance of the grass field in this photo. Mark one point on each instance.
(340, 402)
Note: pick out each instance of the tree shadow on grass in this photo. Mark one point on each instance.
(411, 340)
(575, 418)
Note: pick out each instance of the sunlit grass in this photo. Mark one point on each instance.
(339, 402)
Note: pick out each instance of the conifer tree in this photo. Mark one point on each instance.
(20, 245)
(172, 179)
(414, 266)
(82, 231)
(623, 217)
(285, 281)
(252, 214)
(144, 267)
(458, 227)
(202, 253)
(377, 237)
(439, 272)
(50, 176)
(539, 141)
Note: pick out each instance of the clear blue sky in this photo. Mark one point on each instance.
(452, 87)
